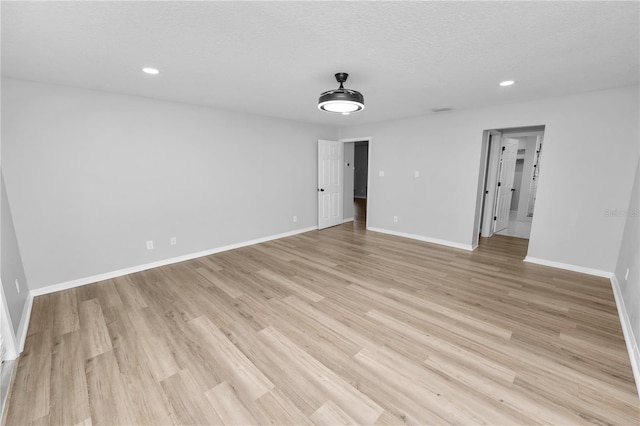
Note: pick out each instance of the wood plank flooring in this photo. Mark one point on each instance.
(340, 326)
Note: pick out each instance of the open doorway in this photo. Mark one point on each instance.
(510, 170)
(356, 181)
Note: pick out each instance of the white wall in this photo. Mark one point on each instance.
(91, 176)
(589, 161)
(348, 208)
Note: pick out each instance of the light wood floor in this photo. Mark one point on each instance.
(331, 327)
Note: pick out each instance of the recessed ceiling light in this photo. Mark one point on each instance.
(507, 83)
(152, 71)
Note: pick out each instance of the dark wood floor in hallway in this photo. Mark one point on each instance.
(331, 327)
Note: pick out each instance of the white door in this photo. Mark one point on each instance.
(329, 183)
(494, 144)
(505, 183)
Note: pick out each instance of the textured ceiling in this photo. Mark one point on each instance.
(275, 58)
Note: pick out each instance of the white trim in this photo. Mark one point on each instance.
(524, 134)
(365, 139)
(569, 267)
(627, 331)
(109, 275)
(23, 328)
(349, 219)
(7, 371)
(6, 324)
(466, 247)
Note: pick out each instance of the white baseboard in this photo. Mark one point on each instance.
(422, 238)
(23, 328)
(349, 219)
(114, 274)
(629, 338)
(569, 267)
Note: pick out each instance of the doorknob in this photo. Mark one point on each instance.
(321, 190)
(513, 189)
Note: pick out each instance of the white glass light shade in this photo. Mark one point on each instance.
(340, 106)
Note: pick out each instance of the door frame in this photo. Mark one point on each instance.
(488, 175)
(487, 184)
(522, 134)
(369, 141)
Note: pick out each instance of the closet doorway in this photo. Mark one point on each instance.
(356, 181)
(512, 169)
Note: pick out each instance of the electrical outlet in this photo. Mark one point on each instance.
(395, 218)
(295, 218)
(18, 285)
(150, 245)
(381, 173)
(416, 174)
(174, 241)
(626, 275)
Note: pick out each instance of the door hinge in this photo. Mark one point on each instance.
(499, 183)
(495, 218)
(504, 147)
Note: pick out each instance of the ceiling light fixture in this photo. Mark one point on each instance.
(507, 83)
(151, 71)
(341, 100)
